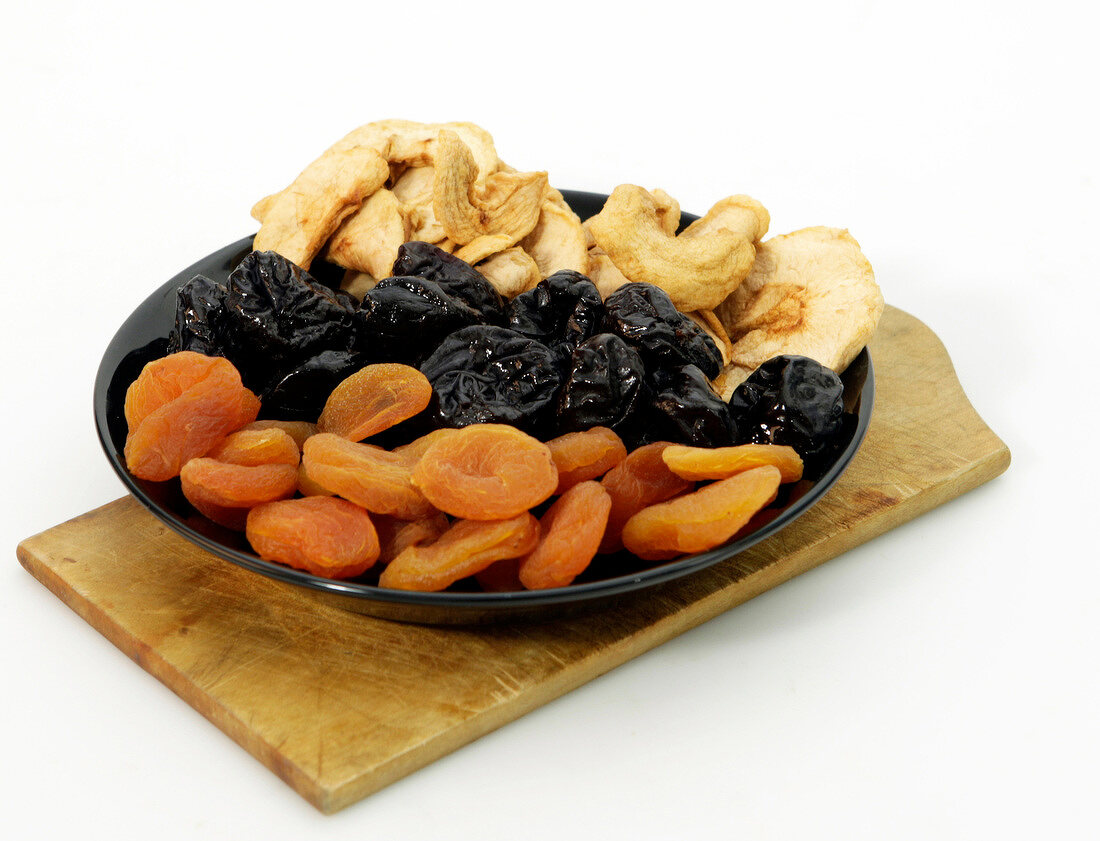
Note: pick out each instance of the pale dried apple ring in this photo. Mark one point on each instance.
(304, 216)
(367, 241)
(698, 271)
(506, 203)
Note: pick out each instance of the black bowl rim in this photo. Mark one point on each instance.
(446, 600)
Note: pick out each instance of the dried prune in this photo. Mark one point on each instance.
(278, 317)
(571, 531)
(323, 535)
(198, 324)
(301, 392)
(465, 549)
(701, 520)
(488, 374)
(368, 476)
(641, 479)
(580, 456)
(792, 400)
(603, 386)
(456, 277)
(407, 317)
(561, 311)
(486, 472)
(684, 409)
(179, 408)
(697, 463)
(373, 399)
(645, 316)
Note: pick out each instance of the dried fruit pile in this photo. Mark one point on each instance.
(489, 390)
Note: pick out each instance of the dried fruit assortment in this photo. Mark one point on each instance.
(499, 395)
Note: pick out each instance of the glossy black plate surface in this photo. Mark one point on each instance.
(143, 337)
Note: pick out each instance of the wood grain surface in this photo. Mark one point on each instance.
(339, 704)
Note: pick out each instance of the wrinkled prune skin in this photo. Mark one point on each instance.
(684, 409)
(198, 325)
(645, 316)
(276, 317)
(300, 393)
(456, 277)
(407, 317)
(603, 386)
(792, 400)
(489, 374)
(561, 311)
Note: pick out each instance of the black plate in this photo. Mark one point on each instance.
(143, 337)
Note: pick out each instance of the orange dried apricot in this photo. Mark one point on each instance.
(722, 462)
(178, 408)
(225, 492)
(641, 479)
(415, 449)
(368, 476)
(323, 535)
(580, 456)
(373, 399)
(571, 533)
(252, 447)
(395, 536)
(465, 549)
(487, 471)
(298, 430)
(701, 520)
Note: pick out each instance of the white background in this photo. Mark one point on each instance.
(938, 682)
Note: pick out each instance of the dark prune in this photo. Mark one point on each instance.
(276, 317)
(645, 316)
(456, 277)
(198, 317)
(684, 409)
(301, 392)
(407, 317)
(561, 311)
(603, 385)
(792, 400)
(487, 374)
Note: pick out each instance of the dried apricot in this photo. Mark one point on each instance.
(323, 535)
(395, 536)
(722, 462)
(641, 479)
(465, 549)
(252, 447)
(487, 471)
(415, 449)
(701, 520)
(368, 476)
(571, 533)
(373, 399)
(225, 492)
(178, 408)
(580, 456)
(298, 430)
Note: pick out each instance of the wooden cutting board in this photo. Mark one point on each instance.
(340, 705)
